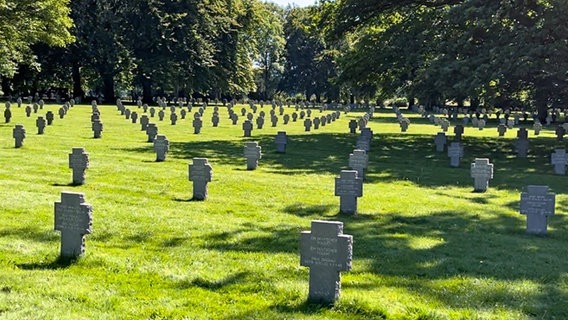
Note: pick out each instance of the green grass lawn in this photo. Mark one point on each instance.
(425, 245)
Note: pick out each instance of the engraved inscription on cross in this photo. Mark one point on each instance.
(537, 204)
(327, 252)
(481, 172)
(559, 160)
(359, 160)
(252, 154)
(73, 218)
(79, 162)
(455, 153)
(200, 172)
(348, 187)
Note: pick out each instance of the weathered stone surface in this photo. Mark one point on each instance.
(78, 162)
(349, 187)
(200, 173)
(73, 218)
(537, 204)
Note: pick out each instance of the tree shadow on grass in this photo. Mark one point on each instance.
(214, 285)
(440, 246)
(301, 210)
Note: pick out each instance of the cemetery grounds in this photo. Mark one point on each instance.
(425, 245)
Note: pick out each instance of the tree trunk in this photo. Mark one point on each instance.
(108, 90)
(6, 86)
(541, 105)
(146, 90)
(474, 103)
(411, 101)
(76, 76)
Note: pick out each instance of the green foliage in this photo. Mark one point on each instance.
(27, 22)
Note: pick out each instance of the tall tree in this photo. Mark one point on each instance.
(27, 22)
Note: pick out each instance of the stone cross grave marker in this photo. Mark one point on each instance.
(455, 153)
(134, 116)
(260, 122)
(215, 119)
(537, 204)
(28, 111)
(252, 154)
(502, 129)
(200, 173)
(78, 162)
(294, 116)
(308, 124)
(161, 115)
(286, 118)
(358, 161)
(73, 218)
(61, 112)
(7, 113)
(281, 140)
(234, 118)
(197, 123)
(363, 143)
(40, 124)
(522, 143)
(481, 124)
(274, 120)
(161, 147)
(127, 114)
(440, 141)
(97, 127)
(152, 112)
(173, 118)
(560, 132)
(316, 123)
(182, 113)
(247, 128)
(151, 131)
(19, 134)
(481, 172)
(327, 252)
(348, 187)
(458, 132)
(537, 126)
(144, 121)
(49, 117)
(559, 159)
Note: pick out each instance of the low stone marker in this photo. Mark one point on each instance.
(358, 161)
(152, 112)
(40, 124)
(78, 162)
(247, 128)
(455, 153)
(19, 134)
(127, 114)
(286, 118)
(537, 126)
(481, 124)
(252, 154)
(161, 115)
(200, 173)
(73, 218)
(97, 127)
(481, 172)
(234, 118)
(327, 252)
(161, 147)
(501, 129)
(281, 140)
(522, 143)
(348, 187)
(440, 141)
(28, 111)
(537, 204)
(559, 159)
(151, 131)
(274, 120)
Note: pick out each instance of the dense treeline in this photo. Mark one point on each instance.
(505, 53)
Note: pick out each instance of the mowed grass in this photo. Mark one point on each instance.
(425, 245)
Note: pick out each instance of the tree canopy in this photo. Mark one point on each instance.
(505, 53)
